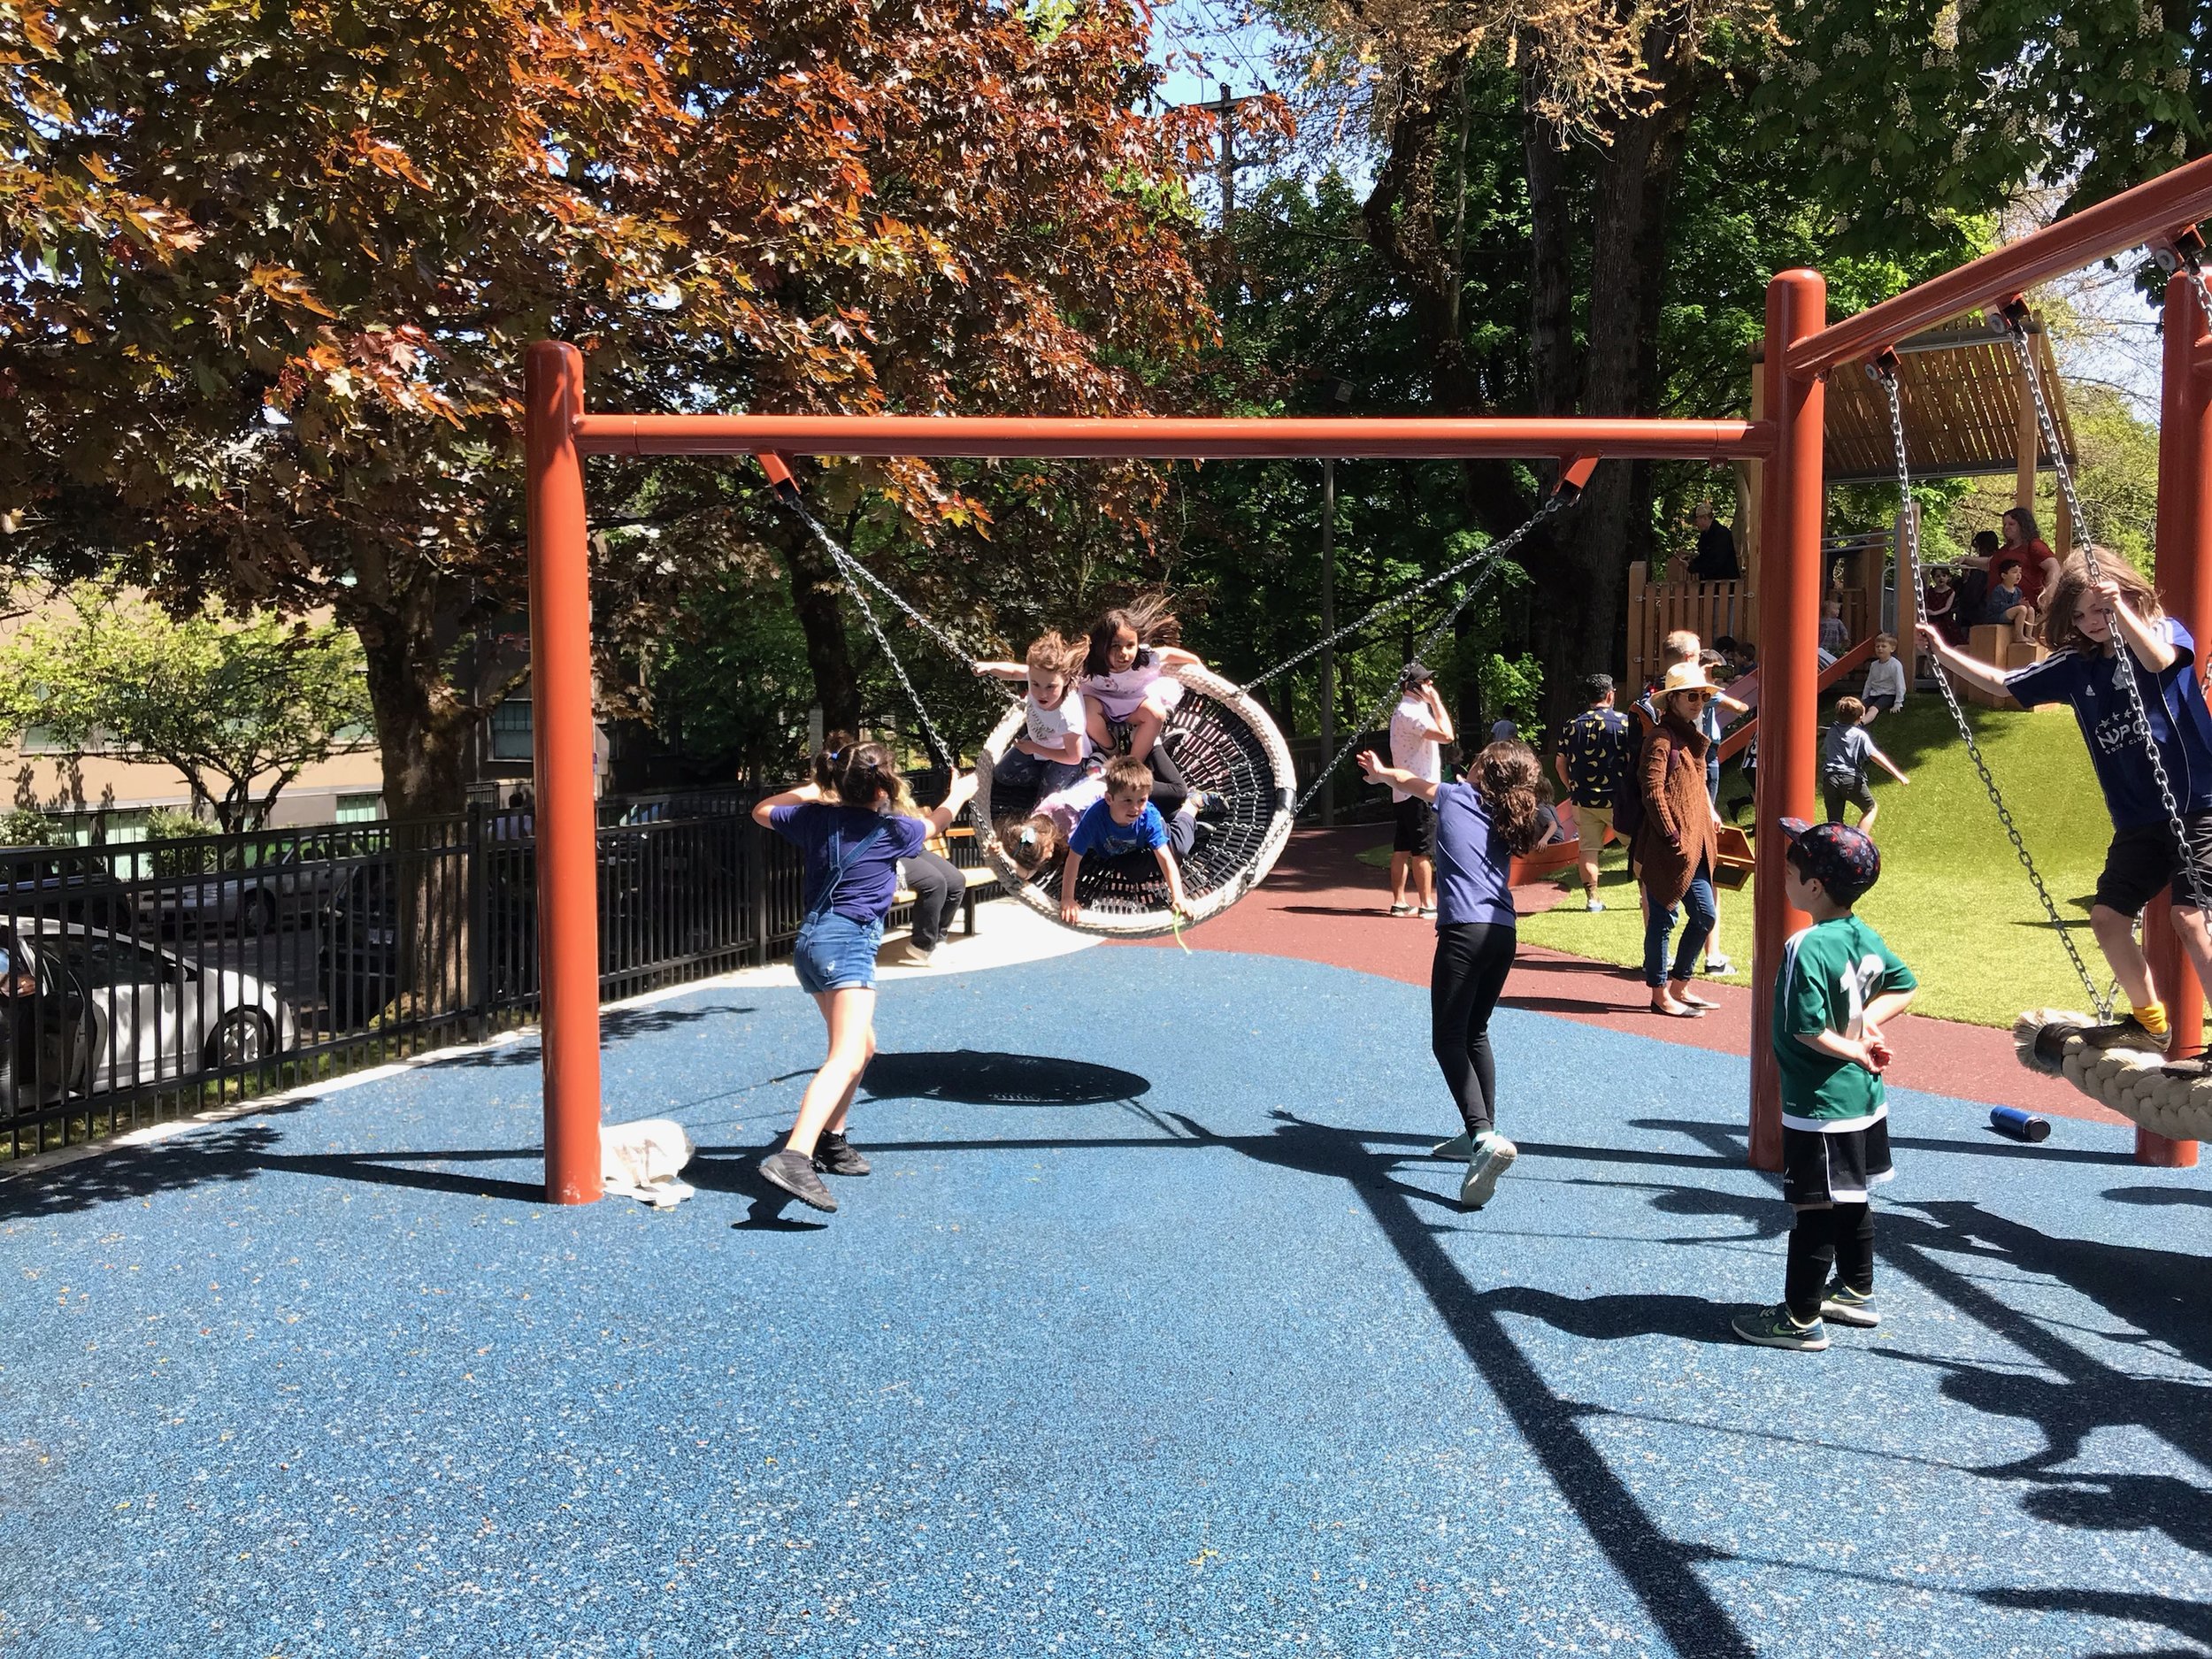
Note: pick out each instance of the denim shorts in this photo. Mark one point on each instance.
(835, 953)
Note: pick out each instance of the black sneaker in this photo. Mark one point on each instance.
(2194, 1069)
(2124, 1033)
(793, 1171)
(833, 1155)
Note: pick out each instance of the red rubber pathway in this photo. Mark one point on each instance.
(1321, 905)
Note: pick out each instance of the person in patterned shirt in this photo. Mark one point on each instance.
(1594, 751)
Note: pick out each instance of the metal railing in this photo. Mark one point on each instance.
(144, 980)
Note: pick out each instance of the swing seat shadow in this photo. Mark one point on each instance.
(976, 1077)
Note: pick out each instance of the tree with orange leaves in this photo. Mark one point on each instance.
(277, 267)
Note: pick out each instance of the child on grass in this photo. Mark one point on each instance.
(2086, 623)
(1839, 986)
(1845, 751)
(1124, 824)
(1050, 752)
(853, 842)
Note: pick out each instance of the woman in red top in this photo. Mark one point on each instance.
(2039, 565)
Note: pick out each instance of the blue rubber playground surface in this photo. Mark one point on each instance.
(1153, 1332)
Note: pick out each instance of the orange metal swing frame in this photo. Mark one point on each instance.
(1802, 348)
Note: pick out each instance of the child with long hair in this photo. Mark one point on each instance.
(1480, 824)
(1127, 677)
(846, 823)
(1051, 750)
(2099, 629)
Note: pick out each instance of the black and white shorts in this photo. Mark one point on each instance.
(2141, 862)
(1416, 828)
(1820, 1170)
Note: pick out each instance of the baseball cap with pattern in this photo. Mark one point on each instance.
(1843, 860)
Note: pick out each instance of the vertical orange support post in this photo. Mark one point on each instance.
(567, 818)
(2185, 588)
(1789, 672)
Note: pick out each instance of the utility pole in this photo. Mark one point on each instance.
(1224, 110)
(1328, 627)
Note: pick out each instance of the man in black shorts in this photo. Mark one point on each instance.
(1419, 729)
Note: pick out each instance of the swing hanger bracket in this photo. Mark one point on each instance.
(2011, 315)
(1574, 477)
(2183, 247)
(1883, 365)
(778, 467)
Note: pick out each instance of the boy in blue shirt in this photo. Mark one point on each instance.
(1839, 984)
(1126, 823)
(2086, 627)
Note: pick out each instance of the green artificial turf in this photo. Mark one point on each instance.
(1953, 900)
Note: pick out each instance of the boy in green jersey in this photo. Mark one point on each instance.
(1838, 987)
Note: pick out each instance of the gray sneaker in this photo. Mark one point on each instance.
(833, 1155)
(1773, 1327)
(793, 1171)
(1493, 1156)
(1843, 1305)
(1458, 1149)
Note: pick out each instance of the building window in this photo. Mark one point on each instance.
(360, 808)
(40, 739)
(513, 735)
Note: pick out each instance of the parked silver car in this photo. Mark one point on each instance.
(108, 1012)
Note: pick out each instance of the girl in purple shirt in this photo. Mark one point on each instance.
(1479, 826)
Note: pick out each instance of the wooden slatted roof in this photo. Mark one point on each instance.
(1962, 393)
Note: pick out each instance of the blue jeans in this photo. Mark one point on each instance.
(835, 953)
(1659, 927)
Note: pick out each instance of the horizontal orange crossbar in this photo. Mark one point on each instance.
(1171, 439)
(2150, 213)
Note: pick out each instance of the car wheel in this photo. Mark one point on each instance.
(244, 1038)
(259, 916)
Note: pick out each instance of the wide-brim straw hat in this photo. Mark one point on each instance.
(1688, 677)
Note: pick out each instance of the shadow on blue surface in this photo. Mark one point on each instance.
(970, 1076)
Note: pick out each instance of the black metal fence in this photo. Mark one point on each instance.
(147, 979)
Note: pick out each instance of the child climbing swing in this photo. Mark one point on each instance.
(2087, 623)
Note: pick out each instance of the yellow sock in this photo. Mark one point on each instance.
(2152, 1016)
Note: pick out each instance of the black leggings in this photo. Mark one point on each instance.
(938, 890)
(1842, 1237)
(1472, 959)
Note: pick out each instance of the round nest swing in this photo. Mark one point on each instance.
(1221, 741)
(2131, 1082)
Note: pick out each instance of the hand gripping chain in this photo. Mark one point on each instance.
(2014, 315)
(1884, 370)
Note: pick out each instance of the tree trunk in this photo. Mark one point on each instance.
(422, 728)
(815, 587)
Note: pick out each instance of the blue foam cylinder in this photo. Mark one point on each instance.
(2016, 1125)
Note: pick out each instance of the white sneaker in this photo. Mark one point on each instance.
(1593, 905)
(1493, 1156)
(1458, 1149)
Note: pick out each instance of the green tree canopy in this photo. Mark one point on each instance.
(239, 705)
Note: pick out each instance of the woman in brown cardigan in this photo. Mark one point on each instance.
(1675, 847)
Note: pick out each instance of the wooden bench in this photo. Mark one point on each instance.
(979, 876)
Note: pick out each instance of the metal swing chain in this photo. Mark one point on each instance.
(1496, 550)
(855, 573)
(1390, 607)
(847, 566)
(2132, 679)
(2103, 1001)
